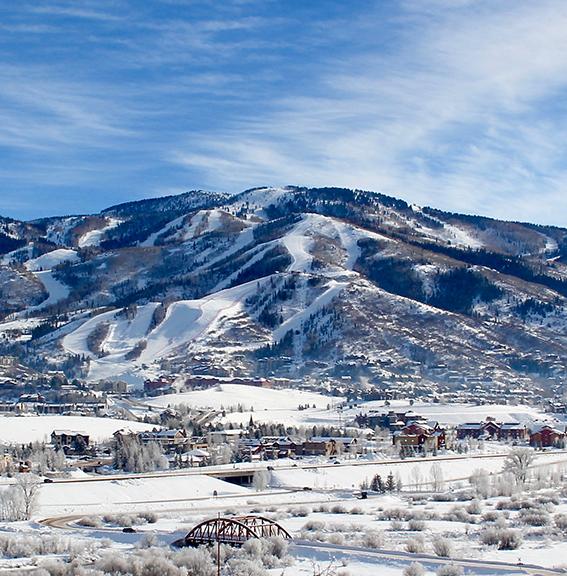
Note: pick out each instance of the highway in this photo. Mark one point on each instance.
(227, 471)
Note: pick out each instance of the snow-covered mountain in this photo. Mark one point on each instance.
(321, 283)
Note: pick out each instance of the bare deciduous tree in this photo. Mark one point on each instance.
(518, 462)
(437, 479)
(260, 480)
(28, 486)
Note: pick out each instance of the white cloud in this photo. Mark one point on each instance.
(459, 115)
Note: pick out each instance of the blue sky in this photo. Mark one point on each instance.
(458, 104)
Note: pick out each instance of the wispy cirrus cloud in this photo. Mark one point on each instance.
(460, 115)
(82, 10)
(451, 103)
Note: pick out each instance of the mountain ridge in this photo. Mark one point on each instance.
(268, 281)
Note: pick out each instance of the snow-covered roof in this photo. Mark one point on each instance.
(343, 439)
(198, 453)
(235, 432)
(540, 427)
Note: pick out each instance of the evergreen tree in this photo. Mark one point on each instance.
(377, 484)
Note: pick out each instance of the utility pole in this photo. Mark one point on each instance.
(218, 547)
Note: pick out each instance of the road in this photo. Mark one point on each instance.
(228, 471)
(352, 553)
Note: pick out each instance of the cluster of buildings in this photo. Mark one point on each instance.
(273, 447)
(412, 431)
(86, 404)
(165, 384)
(539, 435)
(197, 450)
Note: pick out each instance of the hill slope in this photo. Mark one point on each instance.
(344, 286)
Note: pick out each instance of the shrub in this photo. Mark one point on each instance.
(395, 525)
(459, 514)
(490, 516)
(415, 545)
(443, 497)
(300, 512)
(535, 517)
(197, 561)
(149, 540)
(121, 520)
(373, 539)
(449, 570)
(416, 525)
(338, 509)
(474, 507)
(19, 545)
(337, 539)
(561, 521)
(443, 547)
(149, 517)
(549, 498)
(510, 540)
(313, 525)
(414, 569)
(90, 521)
(490, 536)
(395, 514)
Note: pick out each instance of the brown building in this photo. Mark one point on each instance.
(490, 429)
(421, 436)
(547, 436)
(69, 440)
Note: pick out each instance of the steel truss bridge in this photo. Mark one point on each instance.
(233, 531)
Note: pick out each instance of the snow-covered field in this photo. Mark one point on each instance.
(271, 401)
(281, 406)
(78, 497)
(413, 472)
(25, 429)
(330, 526)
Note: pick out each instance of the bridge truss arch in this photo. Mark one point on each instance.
(234, 531)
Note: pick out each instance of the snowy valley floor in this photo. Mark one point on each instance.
(330, 526)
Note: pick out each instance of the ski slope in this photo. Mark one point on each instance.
(202, 222)
(123, 335)
(56, 290)
(299, 241)
(185, 322)
(94, 237)
(51, 259)
(334, 288)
